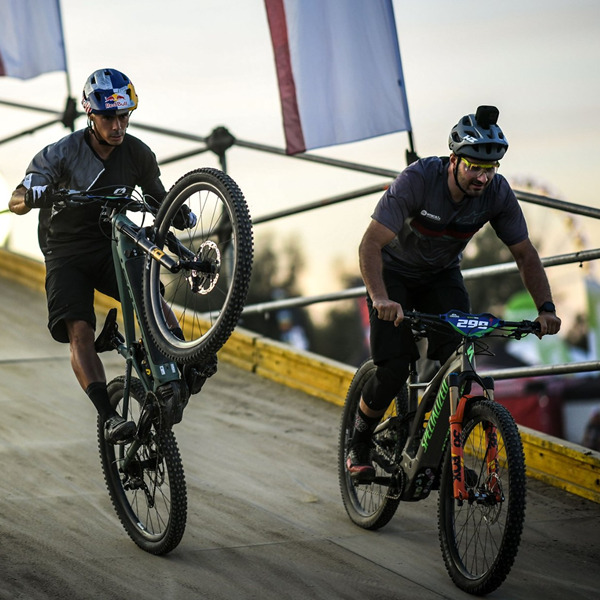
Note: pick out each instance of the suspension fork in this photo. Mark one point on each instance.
(491, 447)
(457, 448)
(457, 411)
(493, 466)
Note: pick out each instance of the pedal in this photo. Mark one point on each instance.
(196, 375)
(109, 338)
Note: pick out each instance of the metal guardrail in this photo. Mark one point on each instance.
(220, 140)
(533, 371)
(474, 273)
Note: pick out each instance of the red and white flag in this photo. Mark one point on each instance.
(339, 71)
(31, 38)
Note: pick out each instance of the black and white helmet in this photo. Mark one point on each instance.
(478, 136)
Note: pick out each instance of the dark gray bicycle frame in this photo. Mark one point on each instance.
(423, 451)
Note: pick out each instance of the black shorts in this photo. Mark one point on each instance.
(70, 285)
(435, 295)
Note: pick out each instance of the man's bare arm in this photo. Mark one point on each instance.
(371, 267)
(535, 280)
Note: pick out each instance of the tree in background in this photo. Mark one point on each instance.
(489, 293)
(275, 276)
(344, 336)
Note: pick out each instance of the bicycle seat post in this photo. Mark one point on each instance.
(413, 379)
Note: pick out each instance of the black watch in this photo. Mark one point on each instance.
(547, 307)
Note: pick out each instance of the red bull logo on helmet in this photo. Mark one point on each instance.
(117, 100)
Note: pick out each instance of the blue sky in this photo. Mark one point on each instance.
(198, 64)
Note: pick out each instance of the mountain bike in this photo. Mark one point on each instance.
(448, 435)
(168, 274)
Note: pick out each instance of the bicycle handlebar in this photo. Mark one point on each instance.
(76, 198)
(473, 325)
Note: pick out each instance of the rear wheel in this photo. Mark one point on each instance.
(149, 495)
(370, 505)
(480, 538)
(208, 294)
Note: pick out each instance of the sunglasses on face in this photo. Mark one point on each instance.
(476, 170)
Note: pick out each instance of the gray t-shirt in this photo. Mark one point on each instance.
(431, 229)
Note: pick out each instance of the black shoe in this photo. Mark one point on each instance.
(109, 337)
(117, 430)
(196, 375)
(358, 463)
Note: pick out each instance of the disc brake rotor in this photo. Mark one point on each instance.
(201, 282)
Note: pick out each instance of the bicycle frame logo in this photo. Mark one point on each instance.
(471, 352)
(435, 414)
(439, 404)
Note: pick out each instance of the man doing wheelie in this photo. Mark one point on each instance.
(76, 242)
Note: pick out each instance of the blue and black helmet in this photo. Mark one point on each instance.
(107, 91)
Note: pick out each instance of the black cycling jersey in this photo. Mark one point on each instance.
(72, 163)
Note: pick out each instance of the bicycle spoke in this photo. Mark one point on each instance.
(208, 292)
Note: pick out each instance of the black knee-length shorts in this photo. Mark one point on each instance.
(433, 294)
(70, 285)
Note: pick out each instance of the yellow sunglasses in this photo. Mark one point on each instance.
(480, 169)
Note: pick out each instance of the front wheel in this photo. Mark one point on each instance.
(480, 537)
(207, 295)
(370, 505)
(149, 495)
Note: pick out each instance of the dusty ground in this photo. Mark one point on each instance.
(265, 516)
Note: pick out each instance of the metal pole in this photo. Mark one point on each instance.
(279, 151)
(569, 207)
(183, 155)
(356, 292)
(29, 107)
(411, 154)
(28, 131)
(67, 76)
(320, 203)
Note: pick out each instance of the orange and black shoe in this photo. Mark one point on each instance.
(358, 463)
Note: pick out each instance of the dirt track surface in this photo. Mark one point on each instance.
(265, 518)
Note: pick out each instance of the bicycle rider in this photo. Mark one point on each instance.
(410, 258)
(76, 241)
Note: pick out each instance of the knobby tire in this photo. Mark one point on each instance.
(480, 539)
(207, 304)
(154, 512)
(370, 506)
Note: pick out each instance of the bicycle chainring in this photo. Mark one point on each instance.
(389, 442)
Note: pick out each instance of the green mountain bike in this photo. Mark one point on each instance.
(196, 277)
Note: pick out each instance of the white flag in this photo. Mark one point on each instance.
(31, 38)
(339, 71)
